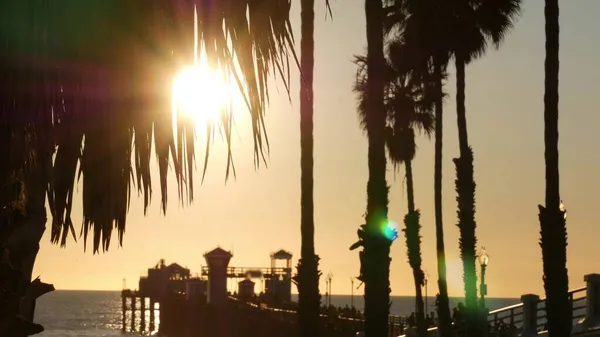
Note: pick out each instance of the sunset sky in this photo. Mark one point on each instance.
(259, 212)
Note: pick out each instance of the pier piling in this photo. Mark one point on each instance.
(152, 305)
(142, 314)
(133, 313)
(124, 307)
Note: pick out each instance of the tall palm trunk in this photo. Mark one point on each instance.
(461, 111)
(413, 245)
(309, 300)
(375, 260)
(445, 325)
(410, 190)
(465, 188)
(552, 221)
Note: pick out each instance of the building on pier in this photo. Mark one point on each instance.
(163, 280)
(277, 278)
(161, 283)
(279, 285)
(166, 282)
(246, 290)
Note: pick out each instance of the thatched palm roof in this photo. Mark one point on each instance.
(86, 83)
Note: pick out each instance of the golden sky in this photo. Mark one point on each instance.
(259, 212)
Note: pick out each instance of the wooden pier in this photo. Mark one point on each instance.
(200, 306)
(133, 297)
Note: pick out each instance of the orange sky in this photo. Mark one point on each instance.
(260, 211)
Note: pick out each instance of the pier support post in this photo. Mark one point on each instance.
(152, 305)
(530, 302)
(142, 314)
(124, 308)
(592, 311)
(162, 320)
(133, 298)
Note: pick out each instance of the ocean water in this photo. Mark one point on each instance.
(80, 313)
(98, 313)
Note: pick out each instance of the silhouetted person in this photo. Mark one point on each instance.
(431, 320)
(346, 310)
(411, 320)
(459, 318)
(410, 330)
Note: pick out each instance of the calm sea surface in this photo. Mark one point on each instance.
(98, 313)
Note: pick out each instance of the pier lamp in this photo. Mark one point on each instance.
(328, 287)
(352, 292)
(484, 260)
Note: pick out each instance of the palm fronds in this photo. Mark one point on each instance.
(407, 100)
(89, 84)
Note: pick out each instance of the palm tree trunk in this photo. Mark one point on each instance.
(375, 257)
(410, 191)
(309, 300)
(465, 188)
(22, 247)
(413, 245)
(552, 221)
(445, 325)
(421, 324)
(461, 111)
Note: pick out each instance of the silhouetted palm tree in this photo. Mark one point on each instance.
(426, 37)
(552, 217)
(307, 279)
(374, 258)
(407, 107)
(475, 22)
(81, 81)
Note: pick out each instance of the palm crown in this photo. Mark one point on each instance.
(106, 69)
(407, 100)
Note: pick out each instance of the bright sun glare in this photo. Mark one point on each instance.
(200, 92)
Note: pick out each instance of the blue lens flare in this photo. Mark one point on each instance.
(390, 230)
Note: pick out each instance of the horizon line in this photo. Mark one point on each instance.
(322, 295)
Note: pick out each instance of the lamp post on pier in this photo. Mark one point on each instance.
(352, 292)
(484, 259)
(328, 279)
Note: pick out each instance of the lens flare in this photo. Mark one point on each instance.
(390, 230)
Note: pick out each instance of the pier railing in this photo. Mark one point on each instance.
(529, 318)
(578, 298)
(512, 317)
(335, 321)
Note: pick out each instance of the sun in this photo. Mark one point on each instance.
(199, 92)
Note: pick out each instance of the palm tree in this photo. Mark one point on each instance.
(307, 279)
(374, 258)
(552, 218)
(407, 107)
(425, 34)
(476, 23)
(80, 82)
